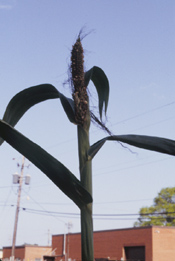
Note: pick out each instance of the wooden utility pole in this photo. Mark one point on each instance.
(17, 210)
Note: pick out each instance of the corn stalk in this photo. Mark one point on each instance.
(86, 181)
(82, 118)
(77, 111)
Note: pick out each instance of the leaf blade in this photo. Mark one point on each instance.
(68, 106)
(27, 98)
(54, 169)
(157, 144)
(101, 83)
(31, 96)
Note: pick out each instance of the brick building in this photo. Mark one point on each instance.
(144, 244)
(27, 252)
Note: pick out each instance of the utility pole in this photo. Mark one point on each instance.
(17, 210)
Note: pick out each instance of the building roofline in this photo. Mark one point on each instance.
(27, 245)
(122, 229)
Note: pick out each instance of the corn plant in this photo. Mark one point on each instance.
(78, 112)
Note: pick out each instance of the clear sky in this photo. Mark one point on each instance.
(134, 43)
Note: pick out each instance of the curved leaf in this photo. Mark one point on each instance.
(54, 169)
(29, 97)
(101, 83)
(25, 99)
(145, 142)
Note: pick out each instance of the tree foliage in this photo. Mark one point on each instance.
(162, 212)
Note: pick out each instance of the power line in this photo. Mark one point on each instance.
(131, 167)
(5, 187)
(143, 113)
(152, 124)
(44, 208)
(95, 203)
(5, 205)
(98, 215)
(125, 120)
(98, 203)
(123, 201)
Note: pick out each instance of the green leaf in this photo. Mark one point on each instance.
(27, 98)
(68, 105)
(54, 169)
(145, 142)
(101, 83)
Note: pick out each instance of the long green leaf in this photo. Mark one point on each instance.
(101, 83)
(54, 169)
(29, 97)
(157, 144)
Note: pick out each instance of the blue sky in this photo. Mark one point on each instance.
(134, 43)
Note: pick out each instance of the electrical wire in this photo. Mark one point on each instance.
(5, 187)
(152, 124)
(5, 203)
(128, 119)
(125, 120)
(131, 167)
(99, 203)
(144, 113)
(98, 215)
(42, 207)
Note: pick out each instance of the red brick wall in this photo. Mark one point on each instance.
(19, 252)
(57, 244)
(111, 243)
(163, 243)
(72, 246)
(107, 243)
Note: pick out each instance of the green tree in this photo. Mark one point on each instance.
(162, 212)
(78, 112)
